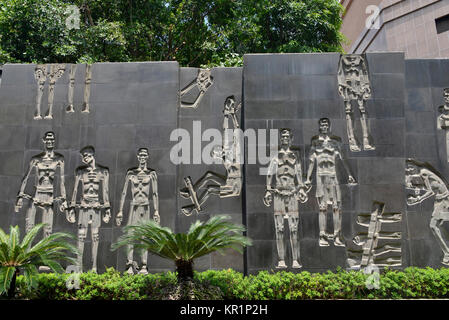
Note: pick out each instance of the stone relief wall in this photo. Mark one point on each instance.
(356, 178)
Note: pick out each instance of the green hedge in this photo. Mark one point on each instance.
(229, 284)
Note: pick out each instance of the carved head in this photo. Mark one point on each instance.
(285, 137)
(87, 154)
(352, 60)
(49, 140)
(446, 96)
(324, 125)
(411, 167)
(229, 105)
(142, 155)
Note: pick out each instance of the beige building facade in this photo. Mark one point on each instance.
(420, 28)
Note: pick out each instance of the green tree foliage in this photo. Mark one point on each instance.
(202, 238)
(192, 32)
(16, 256)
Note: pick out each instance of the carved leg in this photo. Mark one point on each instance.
(366, 143)
(95, 242)
(47, 218)
(82, 232)
(202, 182)
(353, 144)
(51, 98)
(71, 89)
(437, 233)
(447, 145)
(322, 222)
(30, 217)
(279, 227)
(192, 193)
(144, 269)
(338, 237)
(130, 262)
(87, 81)
(188, 210)
(40, 93)
(293, 221)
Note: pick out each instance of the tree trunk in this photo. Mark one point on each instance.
(184, 269)
(12, 287)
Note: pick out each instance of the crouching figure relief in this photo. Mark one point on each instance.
(286, 190)
(426, 182)
(142, 179)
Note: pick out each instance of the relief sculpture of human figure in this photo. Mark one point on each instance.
(224, 186)
(325, 152)
(426, 182)
(286, 190)
(443, 119)
(92, 178)
(143, 181)
(45, 166)
(354, 85)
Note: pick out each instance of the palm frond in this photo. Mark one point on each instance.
(6, 275)
(16, 255)
(202, 238)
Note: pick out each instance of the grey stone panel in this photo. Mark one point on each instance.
(386, 62)
(417, 74)
(209, 112)
(122, 95)
(420, 99)
(439, 69)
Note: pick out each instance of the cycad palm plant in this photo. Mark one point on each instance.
(202, 238)
(16, 256)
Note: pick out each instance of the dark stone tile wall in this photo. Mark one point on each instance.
(132, 105)
(295, 91)
(138, 105)
(425, 81)
(209, 115)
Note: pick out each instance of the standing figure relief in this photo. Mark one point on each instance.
(144, 192)
(47, 167)
(286, 190)
(354, 85)
(324, 154)
(93, 180)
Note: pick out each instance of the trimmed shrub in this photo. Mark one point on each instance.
(229, 284)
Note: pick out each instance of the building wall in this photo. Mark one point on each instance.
(354, 19)
(405, 26)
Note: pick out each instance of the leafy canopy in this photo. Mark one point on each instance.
(16, 255)
(192, 32)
